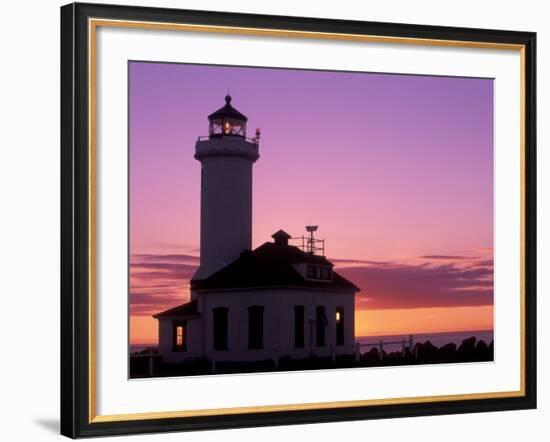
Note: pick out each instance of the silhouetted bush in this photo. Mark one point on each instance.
(426, 352)
(447, 353)
(467, 350)
(484, 352)
(470, 350)
(371, 357)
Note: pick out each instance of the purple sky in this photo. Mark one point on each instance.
(395, 169)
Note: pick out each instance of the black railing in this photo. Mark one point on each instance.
(255, 141)
(310, 245)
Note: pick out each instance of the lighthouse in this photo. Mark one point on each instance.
(226, 156)
(275, 302)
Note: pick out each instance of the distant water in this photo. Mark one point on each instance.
(437, 339)
(136, 348)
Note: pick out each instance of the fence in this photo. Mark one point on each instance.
(150, 353)
(405, 344)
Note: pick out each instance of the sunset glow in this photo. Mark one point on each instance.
(397, 171)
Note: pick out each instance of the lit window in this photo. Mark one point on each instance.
(179, 335)
(179, 342)
(339, 325)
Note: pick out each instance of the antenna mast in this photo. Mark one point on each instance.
(311, 240)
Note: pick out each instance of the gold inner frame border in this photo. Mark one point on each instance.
(93, 24)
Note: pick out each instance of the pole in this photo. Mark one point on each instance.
(151, 362)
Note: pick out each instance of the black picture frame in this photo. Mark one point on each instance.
(75, 221)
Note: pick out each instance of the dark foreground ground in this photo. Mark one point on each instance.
(470, 350)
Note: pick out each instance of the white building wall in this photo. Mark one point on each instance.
(278, 325)
(226, 201)
(165, 336)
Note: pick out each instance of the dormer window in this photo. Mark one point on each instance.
(319, 272)
(326, 273)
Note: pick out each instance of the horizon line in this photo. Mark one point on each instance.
(369, 336)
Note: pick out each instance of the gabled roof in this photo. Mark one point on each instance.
(271, 265)
(227, 111)
(187, 310)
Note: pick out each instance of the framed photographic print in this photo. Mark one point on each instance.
(275, 220)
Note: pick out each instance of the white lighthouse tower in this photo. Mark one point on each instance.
(226, 157)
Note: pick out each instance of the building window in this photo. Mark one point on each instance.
(299, 322)
(320, 323)
(256, 327)
(179, 334)
(220, 315)
(325, 273)
(339, 325)
(319, 272)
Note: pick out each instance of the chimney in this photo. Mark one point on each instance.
(281, 238)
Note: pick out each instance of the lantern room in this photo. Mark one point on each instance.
(227, 121)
